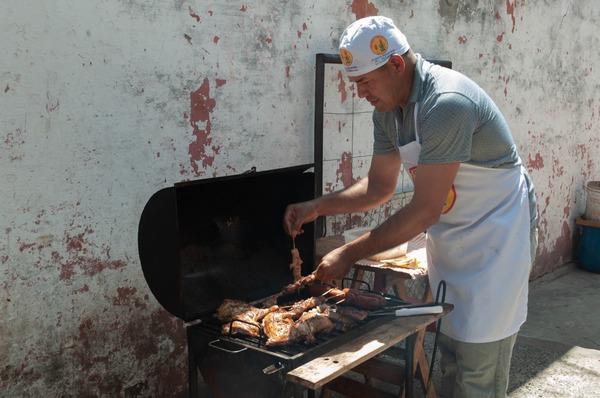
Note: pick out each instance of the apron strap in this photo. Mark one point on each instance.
(416, 112)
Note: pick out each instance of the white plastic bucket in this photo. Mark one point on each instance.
(592, 203)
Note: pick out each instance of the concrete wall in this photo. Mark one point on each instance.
(104, 103)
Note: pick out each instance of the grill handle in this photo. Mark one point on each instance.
(214, 345)
(276, 367)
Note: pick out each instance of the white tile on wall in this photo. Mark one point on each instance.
(337, 135)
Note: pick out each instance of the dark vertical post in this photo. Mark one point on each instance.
(193, 391)
(409, 366)
(318, 135)
(321, 60)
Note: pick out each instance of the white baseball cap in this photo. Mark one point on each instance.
(369, 43)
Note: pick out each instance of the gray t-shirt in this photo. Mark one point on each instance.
(457, 121)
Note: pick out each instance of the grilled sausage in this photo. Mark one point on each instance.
(368, 301)
(349, 296)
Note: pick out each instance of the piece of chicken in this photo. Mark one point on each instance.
(296, 265)
(250, 316)
(347, 318)
(277, 326)
(299, 284)
(299, 307)
(281, 329)
(312, 323)
(237, 309)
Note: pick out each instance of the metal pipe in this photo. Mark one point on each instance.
(321, 60)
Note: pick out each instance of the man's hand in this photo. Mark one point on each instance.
(334, 265)
(298, 214)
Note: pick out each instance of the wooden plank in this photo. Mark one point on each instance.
(354, 389)
(383, 370)
(319, 371)
(587, 223)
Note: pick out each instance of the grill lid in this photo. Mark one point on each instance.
(203, 241)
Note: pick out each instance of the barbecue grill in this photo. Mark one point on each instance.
(204, 241)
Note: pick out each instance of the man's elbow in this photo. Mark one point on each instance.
(429, 216)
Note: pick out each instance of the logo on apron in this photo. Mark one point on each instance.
(450, 198)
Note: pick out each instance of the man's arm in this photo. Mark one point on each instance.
(432, 185)
(376, 188)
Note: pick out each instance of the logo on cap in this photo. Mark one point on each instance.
(346, 57)
(379, 45)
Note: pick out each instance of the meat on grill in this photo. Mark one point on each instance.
(247, 316)
(299, 307)
(299, 284)
(296, 265)
(278, 325)
(298, 323)
(346, 318)
(311, 323)
(356, 297)
(281, 329)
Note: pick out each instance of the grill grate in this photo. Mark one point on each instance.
(213, 325)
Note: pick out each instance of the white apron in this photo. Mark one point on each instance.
(480, 247)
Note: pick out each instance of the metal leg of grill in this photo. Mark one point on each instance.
(299, 392)
(409, 366)
(192, 376)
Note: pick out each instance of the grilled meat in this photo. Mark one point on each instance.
(347, 318)
(248, 328)
(296, 265)
(281, 329)
(299, 307)
(304, 319)
(356, 297)
(240, 317)
(277, 326)
(311, 323)
(353, 313)
(299, 284)
(240, 310)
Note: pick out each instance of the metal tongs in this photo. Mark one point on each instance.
(410, 310)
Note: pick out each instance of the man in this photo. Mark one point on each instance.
(471, 194)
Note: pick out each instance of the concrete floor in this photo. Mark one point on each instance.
(557, 353)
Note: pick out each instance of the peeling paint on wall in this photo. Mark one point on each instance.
(201, 150)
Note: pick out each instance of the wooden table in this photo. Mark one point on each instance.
(394, 277)
(316, 373)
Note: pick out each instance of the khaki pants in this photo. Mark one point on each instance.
(475, 370)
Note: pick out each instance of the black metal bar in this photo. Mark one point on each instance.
(409, 370)
(441, 290)
(321, 60)
(298, 391)
(441, 62)
(193, 391)
(318, 134)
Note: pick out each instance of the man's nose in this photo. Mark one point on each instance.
(361, 91)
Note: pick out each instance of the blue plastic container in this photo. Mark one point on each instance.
(589, 249)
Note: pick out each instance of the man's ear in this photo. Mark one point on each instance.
(398, 63)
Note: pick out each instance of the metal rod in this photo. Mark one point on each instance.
(441, 285)
(410, 365)
(321, 60)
